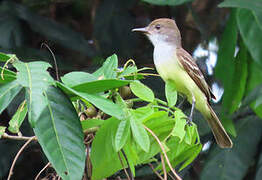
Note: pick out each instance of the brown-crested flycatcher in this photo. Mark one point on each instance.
(174, 64)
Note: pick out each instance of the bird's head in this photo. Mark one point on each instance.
(162, 30)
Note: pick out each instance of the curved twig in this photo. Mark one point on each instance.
(37, 176)
(153, 169)
(56, 68)
(17, 155)
(164, 152)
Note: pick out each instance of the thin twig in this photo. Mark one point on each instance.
(56, 68)
(122, 164)
(128, 165)
(153, 169)
(37, 176)
(164, 152)
(164, 166)
(171, 176)
(24, 138)
(17, 155)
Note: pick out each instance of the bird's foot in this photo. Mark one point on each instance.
(189, 120)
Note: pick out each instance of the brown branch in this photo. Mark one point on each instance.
(153, 169)
(23, 138)
(17, 155)
(122, 164)
(37, 176)
(164, 166)
(164, 152)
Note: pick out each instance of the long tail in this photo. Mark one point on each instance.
(222, 138)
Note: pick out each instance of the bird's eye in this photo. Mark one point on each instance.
(157, 26)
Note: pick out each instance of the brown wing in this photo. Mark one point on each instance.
(188, 63)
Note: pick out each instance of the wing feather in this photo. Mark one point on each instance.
(188, 63)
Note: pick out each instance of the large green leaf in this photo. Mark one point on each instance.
(100, 102)
(254, 5)
(36, 79)
(75, 78)
(237, 89)
(225, 67)
(60, 135)
(251, 33)
(225, 164)
(100, 85)
(167, 2)
(7, 75)
(7, 93)
(104, 158)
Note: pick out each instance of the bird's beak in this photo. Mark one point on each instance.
(143, 30)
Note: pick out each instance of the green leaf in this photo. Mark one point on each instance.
(142, 91)
(140, 135)
(235, 162)
(100, 85)
(100, 102)
(7, 75)
(6, 57)
(110, 67)
(18, 118)
(239, 80)
(167, 2)
(7, 93)
(104, 158)
(179, 128)
(60, 135)
(36, 79)
(2, 130)
(75, 78)
(254, 5)
(171, 93)
(191, 155)
(91, 123)
(122, 133)
(225, 67)
(251, 33)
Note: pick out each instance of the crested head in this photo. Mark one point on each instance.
(162, 30)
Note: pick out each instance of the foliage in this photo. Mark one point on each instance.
(61, 135)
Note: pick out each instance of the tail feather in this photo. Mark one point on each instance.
(222, 138)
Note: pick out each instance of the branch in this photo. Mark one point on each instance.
(37, 176)
(23, 138)
(17, 155)
(164, 152)
(164, 166)
(153, 169)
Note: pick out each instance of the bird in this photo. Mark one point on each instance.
(175, 64)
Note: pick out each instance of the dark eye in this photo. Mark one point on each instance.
(158, 26)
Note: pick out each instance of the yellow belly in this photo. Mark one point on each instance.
(172, 70)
